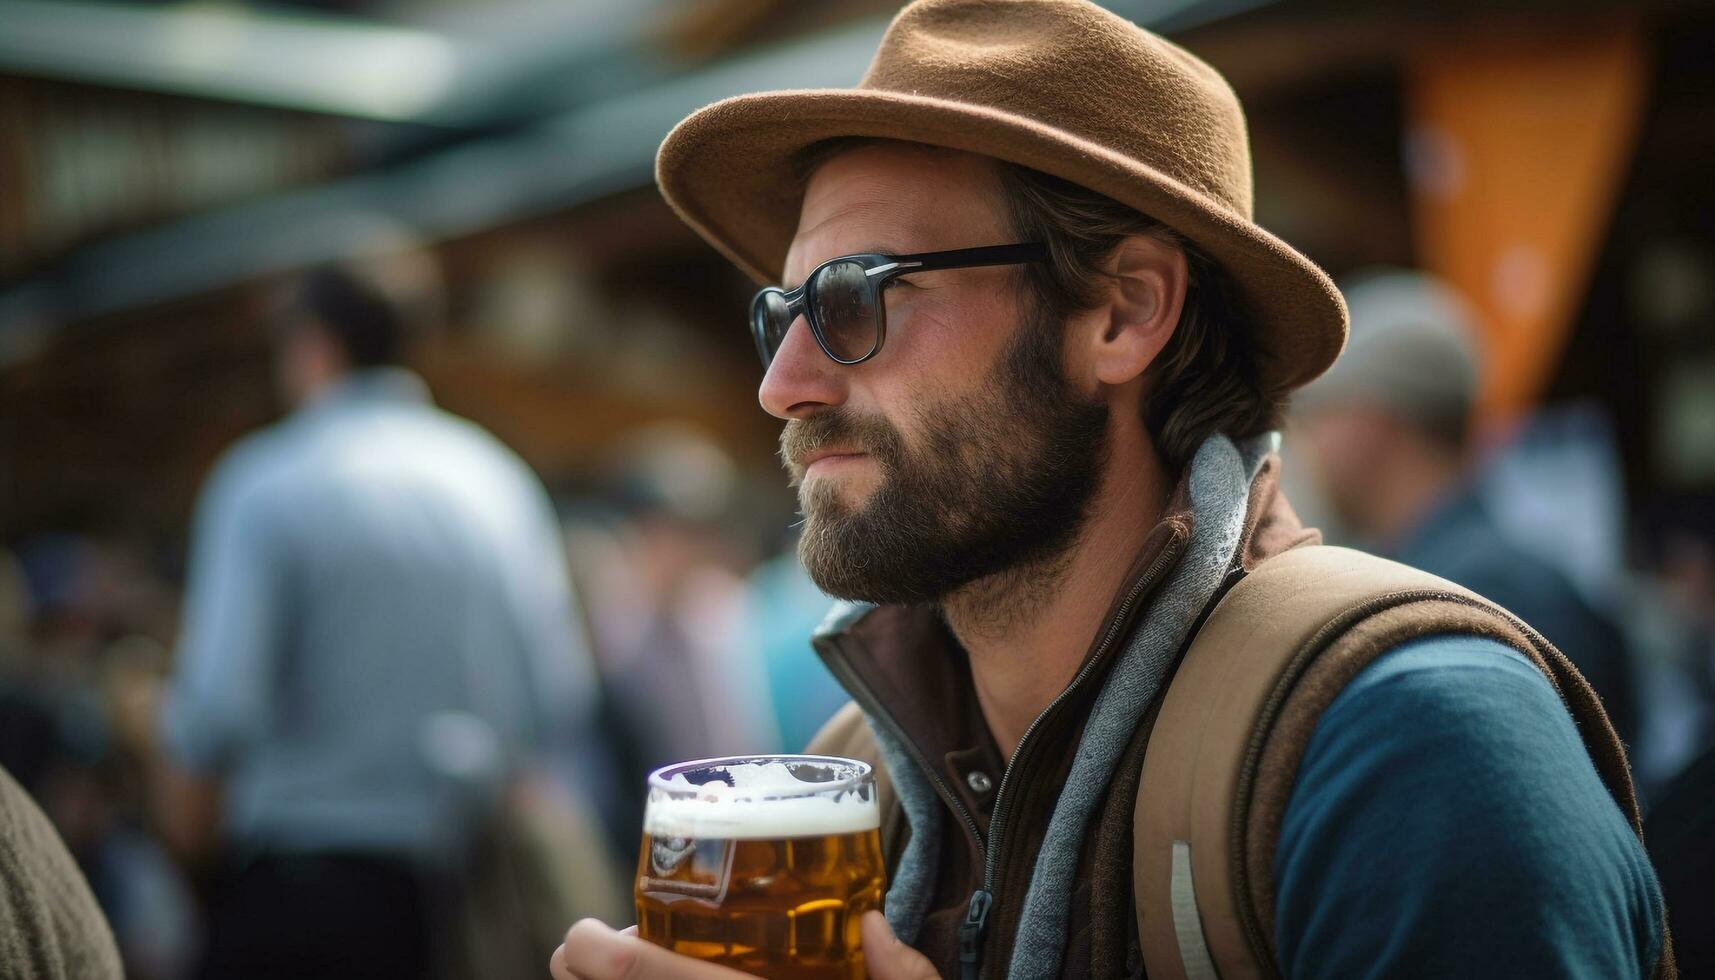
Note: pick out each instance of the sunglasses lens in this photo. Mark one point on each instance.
(769, 319)
(843, 305)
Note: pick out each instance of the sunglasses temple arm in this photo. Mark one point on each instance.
(968, 258)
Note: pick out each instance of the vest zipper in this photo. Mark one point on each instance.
(982, 900)
(971, 934)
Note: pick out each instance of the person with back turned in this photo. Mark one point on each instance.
(1029, 349)
(378, 633)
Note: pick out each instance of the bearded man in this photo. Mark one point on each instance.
(1029, 356)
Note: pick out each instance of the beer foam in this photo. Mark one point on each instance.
(764, 801)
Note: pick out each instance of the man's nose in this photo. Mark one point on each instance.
(801, 379)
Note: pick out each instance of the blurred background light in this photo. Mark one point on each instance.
(228, 51)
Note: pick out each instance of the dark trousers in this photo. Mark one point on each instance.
(319, 916)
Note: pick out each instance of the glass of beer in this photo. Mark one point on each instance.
(764, 863)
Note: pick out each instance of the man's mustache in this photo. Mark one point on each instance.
(836, 428)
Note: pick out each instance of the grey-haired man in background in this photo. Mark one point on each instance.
(1389, 434)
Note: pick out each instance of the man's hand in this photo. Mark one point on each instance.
(592, 951)
(889, 959)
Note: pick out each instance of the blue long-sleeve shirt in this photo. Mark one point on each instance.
(1447, 822)
(378, 624)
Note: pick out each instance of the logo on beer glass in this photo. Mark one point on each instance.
(764, 864)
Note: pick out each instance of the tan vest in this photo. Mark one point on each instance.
(1233, 725)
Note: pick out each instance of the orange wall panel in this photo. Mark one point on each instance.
(1516, 150)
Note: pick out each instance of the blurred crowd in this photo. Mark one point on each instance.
(385, 671)
(700, 635)
(178, 763)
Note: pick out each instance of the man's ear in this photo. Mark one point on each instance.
(1147, 279)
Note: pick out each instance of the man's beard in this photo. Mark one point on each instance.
(1004, 482)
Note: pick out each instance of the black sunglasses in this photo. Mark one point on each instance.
(841, 299)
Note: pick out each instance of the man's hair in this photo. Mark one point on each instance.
(373, 307)
(1206, 379)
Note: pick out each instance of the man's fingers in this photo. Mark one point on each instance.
(557, 968)
(889, 959)
(592, 951)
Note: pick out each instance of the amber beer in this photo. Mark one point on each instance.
(764, 864)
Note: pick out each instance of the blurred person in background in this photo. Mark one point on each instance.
(1388, 433)
(378, 637)
(77, 689)
(1674, 602)
(782, 607)
(1680, 825)
(666, 609)
(50, 925)
(14, 611)
(61, 839)
(1680, 830)
(702, 647)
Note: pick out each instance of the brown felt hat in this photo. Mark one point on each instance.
(1060, 86)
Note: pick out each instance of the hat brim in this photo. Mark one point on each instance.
(730, 170)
